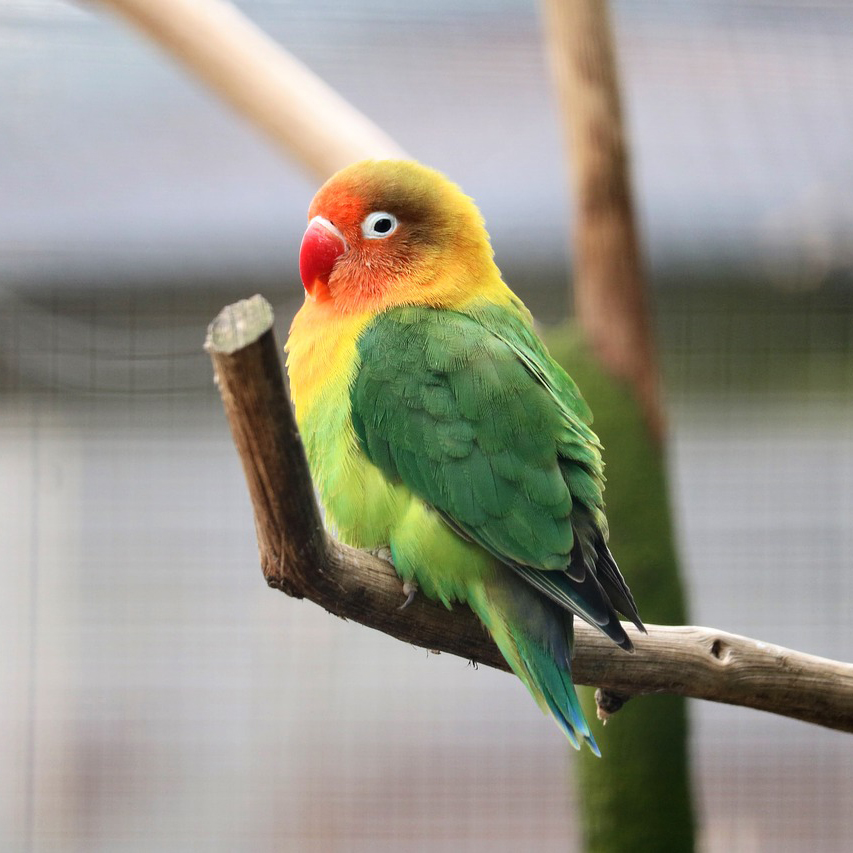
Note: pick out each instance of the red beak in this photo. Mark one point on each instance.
(322, 245)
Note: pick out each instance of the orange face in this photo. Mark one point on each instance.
(384, 233)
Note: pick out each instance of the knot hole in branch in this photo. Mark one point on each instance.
(720, 650)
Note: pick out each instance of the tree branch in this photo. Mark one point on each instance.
(299, 558)
(277, 93)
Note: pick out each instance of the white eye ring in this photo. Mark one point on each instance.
(378, 225)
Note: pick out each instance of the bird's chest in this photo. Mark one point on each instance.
(361, 504)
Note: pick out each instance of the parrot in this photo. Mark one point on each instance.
(440, 432)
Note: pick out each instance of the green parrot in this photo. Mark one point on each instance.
(436, 425)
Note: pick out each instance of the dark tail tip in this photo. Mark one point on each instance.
(616, 632)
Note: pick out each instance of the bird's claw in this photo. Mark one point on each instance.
(410, 589)
(383, 552)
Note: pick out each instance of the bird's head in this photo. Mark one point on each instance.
(393, 232)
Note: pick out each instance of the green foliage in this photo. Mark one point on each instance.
(637, 797)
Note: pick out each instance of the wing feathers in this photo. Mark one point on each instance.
(473, 416)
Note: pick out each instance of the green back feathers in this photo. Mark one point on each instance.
(470, 413)
(451, 410)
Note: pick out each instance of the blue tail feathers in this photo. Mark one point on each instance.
(552, 677)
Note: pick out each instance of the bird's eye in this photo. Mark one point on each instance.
(379, 224)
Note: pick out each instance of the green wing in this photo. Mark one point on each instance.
(470, 412)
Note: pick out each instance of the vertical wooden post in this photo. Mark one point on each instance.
(638, 796)
(610, 293)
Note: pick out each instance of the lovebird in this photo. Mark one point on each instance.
(438, 429)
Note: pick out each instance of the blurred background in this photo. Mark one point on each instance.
(154, 694)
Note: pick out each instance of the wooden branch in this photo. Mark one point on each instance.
(300, 559)
(274, 90)
(610, 293)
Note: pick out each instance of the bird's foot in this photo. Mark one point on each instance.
(410, 590)
(384, 553)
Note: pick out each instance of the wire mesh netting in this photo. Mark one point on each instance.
(153, 693)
